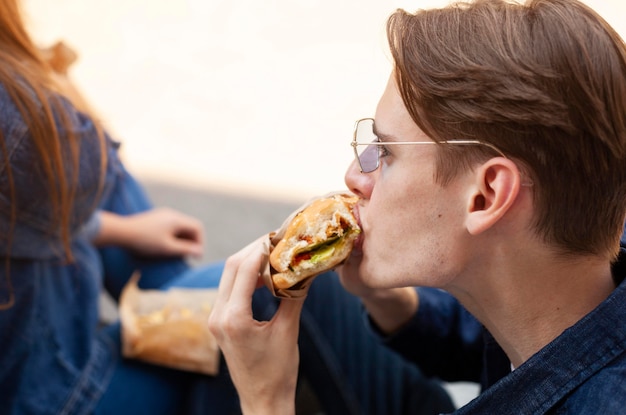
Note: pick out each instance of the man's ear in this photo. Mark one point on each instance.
(496, 186)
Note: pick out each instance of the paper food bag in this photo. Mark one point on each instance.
(169, 328)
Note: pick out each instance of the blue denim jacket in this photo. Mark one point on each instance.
(52, 359)
(583, 371)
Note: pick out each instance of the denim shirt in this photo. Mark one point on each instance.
(582, 371)
(52, 359)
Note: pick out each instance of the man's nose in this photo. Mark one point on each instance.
(360, 184)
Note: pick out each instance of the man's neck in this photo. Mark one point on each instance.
(530, 301)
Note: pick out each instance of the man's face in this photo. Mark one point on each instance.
(411, 224)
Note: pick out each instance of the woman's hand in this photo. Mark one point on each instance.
(262, 356)
(157, 232)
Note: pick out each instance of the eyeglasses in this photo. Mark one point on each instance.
(369, 157)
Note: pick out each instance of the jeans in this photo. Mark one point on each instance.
(138, 387)
(350, 371)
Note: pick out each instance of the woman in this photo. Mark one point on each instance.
(63, 193)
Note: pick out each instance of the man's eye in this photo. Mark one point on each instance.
(382, 151)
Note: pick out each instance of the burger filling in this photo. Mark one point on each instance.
(316, 253)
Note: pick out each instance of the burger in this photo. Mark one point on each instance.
(318, 238)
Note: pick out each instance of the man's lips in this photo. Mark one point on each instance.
(358, 242)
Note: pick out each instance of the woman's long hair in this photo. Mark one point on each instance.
(30, 82)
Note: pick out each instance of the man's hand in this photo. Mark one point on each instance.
(262, 356)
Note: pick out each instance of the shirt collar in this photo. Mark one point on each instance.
(568, 361)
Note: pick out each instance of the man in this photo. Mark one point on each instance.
(508, 192)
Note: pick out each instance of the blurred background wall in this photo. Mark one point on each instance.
(247, 96)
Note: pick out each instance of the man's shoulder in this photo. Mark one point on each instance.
(603, 393)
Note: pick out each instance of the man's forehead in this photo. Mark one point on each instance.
(393, 121)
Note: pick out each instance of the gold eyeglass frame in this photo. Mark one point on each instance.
(355, 144)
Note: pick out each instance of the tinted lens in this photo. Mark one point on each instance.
(368, 155)
(368, 158)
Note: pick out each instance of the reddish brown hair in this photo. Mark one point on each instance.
(30, 82)
(546, 83)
